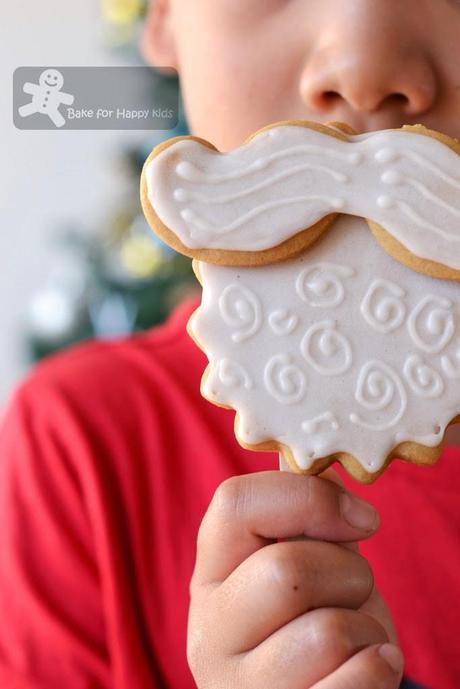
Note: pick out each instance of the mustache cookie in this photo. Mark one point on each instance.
(330, 266)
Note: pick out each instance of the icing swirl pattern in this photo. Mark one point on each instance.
(377, 390)
(321, 284)
(283, 380)
(431, 324)
(240, 308)
(232, 374)
(366, 357)
(382, 307)
(326, 350)
(422, 379)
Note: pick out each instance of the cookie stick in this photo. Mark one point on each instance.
(284, 466)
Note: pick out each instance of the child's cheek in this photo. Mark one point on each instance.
(239, 12)
(238, 70)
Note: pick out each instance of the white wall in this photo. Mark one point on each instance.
(46, 177)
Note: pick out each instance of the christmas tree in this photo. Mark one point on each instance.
(122, 278)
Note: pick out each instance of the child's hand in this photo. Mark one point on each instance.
(268, 615)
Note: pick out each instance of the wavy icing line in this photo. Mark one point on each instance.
(387, 202)
(182, 195)
(433, 168)
(193, 173)
(198, 223)
(393, 177)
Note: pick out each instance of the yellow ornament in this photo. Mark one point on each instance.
(122, 11)
(140, 256)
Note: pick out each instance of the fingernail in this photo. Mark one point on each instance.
(358, 513)
(393, 656)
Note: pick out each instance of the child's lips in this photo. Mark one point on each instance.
(363, 123)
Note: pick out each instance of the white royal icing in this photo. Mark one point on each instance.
(232, 374)
(283, 380)
(364, 356)
(422, 379)
(240, 308)
(431, 324)
(312, 425)
(378, 389)
(322, 284)
(326, 349)
(451, 366)
(382, 307)
(282, 322)
(287, 178)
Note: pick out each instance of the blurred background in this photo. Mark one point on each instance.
(78, 259)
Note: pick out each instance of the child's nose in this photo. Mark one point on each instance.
(367, 62)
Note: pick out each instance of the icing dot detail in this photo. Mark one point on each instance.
(378, 390)
(180, 194)
(382, 307)
(185, 170)
(285, 381)
(431, 324)
(385, 202)
(240, 308)
(320, 284)
(423, 380)
(391, 177)
(430, 440)
(326, 350)
(386, 155)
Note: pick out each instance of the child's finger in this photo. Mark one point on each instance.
(278, 583)
(310, 648)
(377, 667)
(248, 512)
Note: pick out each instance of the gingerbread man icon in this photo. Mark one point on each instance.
(47, 97)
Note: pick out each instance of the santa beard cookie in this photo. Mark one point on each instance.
(331, 304)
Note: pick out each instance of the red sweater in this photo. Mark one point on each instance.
(108, 459)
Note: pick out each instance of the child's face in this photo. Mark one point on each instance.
(374, 64)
